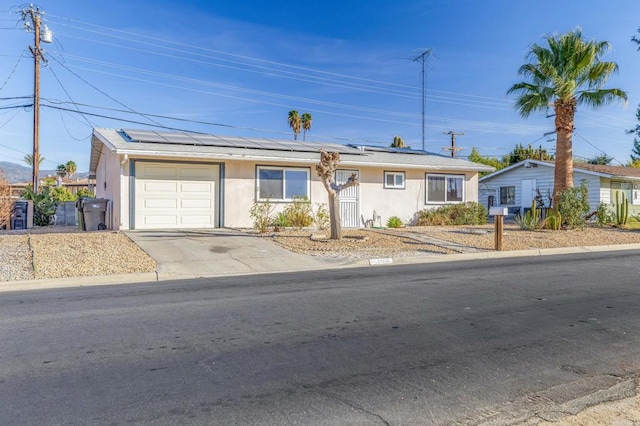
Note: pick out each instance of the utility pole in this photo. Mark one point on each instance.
(422, 58)
(453, 148)
(32, 17)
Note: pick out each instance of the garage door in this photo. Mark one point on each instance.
(175, 195)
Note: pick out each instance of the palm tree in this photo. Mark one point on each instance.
(306, 121)
(28, 159)
(295, 122)
(565, 74)
(71, 168)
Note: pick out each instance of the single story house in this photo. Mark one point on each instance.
(516, 186)
(162, 179)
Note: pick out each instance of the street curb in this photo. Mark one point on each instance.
(89, 281)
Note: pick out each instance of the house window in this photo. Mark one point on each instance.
(394, 180)
(508, 195)
(282, 183)
(445, 188)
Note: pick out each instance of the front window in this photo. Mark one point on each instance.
(445, 188)
(282, 183)
(394, 180)
(508, 195)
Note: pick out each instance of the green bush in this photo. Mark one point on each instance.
(281, 220)
(573, 205)
(394, 222)
(44, 205)
(261, 215)
(604, 216)
(85, 193)
(470, 213)
(321, 217)
(299, 212)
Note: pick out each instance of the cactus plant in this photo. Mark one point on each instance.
(622, 209)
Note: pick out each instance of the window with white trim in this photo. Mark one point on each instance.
(445, 188)
(282, 183)
(394, 180)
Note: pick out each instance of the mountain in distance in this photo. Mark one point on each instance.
(17, 173)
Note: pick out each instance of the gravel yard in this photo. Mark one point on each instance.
(433, 240)
(69, 254)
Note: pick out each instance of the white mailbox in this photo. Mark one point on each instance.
(498, 211)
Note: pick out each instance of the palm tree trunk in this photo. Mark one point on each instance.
(563, 176)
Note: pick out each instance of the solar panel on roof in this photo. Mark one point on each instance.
(192, 138)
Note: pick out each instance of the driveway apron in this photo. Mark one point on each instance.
(219, 252)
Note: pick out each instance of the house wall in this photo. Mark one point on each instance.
(109, 185)
(240, 190)
(544, 182)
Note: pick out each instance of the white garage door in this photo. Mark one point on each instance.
(175, 195)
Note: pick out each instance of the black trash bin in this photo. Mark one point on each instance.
(93, 213)
(19, 215)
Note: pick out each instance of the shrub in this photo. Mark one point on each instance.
(84, 193)
(299, 212)
(44, 205)
(394, 222)
(6, 205)
(261, 214)
(573, 205)
(281, 220)
(321, 217)
(604, 216)
(470, 213)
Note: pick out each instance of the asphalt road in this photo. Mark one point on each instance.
(432, 344)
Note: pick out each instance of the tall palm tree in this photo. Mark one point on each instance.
(71, 168)
(566, 73)
(28, 159)
(295, 122)
(306, 121)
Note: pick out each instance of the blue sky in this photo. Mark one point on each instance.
(244, 65)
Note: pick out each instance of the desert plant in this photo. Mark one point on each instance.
(321, 216)
(621, 209)
(470, 213)
(281, 221)
(261, 215)
(553, 220)
(394, 222)
(531, 219)
(603, 215)
(44, 205)
(299, 212)
(573, 205)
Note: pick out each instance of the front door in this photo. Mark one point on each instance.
(528, 193)
(349, 211)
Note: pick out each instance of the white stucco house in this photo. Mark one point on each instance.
(516, 186)
(167, 180)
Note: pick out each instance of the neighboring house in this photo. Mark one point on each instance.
(158, 180)
(516, 186)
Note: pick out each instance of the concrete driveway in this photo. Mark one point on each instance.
(219, 252)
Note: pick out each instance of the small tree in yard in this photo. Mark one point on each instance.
(326, 170)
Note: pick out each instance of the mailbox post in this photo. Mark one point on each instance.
(499, 213)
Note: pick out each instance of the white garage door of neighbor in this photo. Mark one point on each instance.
(175, 195)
